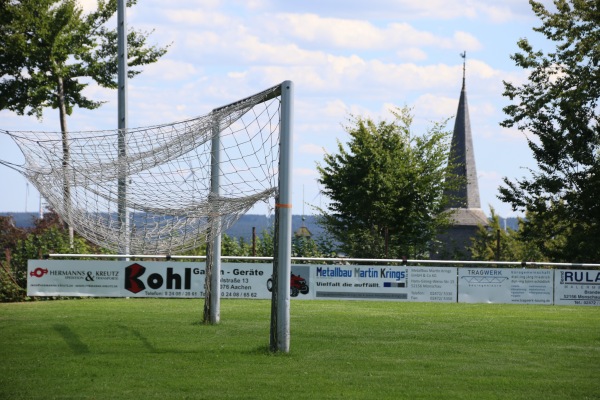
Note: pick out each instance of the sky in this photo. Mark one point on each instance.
(345, 58)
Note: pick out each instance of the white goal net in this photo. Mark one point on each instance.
(154, 196)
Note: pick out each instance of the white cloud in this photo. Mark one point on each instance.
(490, 178)
(305, 172)
(201, 41)
(497, 14)
(169, 70)
(412, 54)
(197, 18)
(99, 93)
(331, 31)
(237, 75)
(254, 4)
(362, 34)
(412, 76)
(311, 148)
(189, 4)
(433, 107)
(511, 135)
(336, 108)
(481, 69)
(465, 41)
(484, 110)
(88, 5)
(495, 11)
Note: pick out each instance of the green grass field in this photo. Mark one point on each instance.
(156, 349)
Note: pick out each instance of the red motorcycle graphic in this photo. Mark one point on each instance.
(297, 285)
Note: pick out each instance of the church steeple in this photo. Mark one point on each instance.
(467, 195)
(465, 207)
(464, 57)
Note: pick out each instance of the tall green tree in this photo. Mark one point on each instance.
(558, 108)
(493, 243)
(51, 51)
(48, 235)
(386, 188)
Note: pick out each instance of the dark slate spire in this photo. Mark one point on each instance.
(465, 208)
(467, 196)
(465, 203)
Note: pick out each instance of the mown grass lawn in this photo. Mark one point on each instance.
(156, 349)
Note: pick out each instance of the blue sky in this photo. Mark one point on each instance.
(345, 57)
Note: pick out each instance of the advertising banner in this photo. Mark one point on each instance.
(577, 287)
(356, 282)
(245, 280)
(398, 283)
(153, 279)
(114, 278)
(432, 284)
(496, 285)
(255, 281)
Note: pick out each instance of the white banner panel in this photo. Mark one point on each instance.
(356, 282)
(577, 287)
(432, 284)
(254, 281)
(150, 279)
(245, 280)
(367, 282)
(114, 278)
(495, 285)
(360, 282)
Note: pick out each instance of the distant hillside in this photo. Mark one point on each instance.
(510, 223)
(243, 227)
(22, 219)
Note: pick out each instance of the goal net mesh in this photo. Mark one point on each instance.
(161, 177)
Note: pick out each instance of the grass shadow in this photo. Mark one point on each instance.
(71, 338)
(143, 339)
(265, 350)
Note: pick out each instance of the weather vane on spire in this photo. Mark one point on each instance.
(464, 56)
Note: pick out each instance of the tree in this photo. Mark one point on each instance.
(559, 107)
(386, 188)
(492, 243)
(50, 52)
(48, 235)
(10, 235)
(303, 246)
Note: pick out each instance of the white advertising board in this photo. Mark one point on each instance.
(432, 284)
(114, 278)
(577, 287)
(496, 285)
(398, 283)
(142, 279)
(245, 280)
(356, 282)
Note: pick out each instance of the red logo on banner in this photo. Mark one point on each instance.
(132, 275)
(39, 272)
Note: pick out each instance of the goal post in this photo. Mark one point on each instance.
(212, 284)
(171, 188)
(280, 303)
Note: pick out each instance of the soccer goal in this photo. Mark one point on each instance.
(168, 189)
